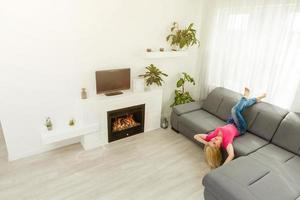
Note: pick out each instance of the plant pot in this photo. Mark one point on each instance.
(49, 128)
(152, 87)
(175, 48)
(164, 123)
(83, 93)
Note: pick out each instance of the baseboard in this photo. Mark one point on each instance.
(42, 149)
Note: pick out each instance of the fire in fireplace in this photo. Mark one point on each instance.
(125, 122)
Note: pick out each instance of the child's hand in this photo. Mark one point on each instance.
(201, 138)
(197, 137)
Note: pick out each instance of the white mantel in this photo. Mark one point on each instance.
(93, 125)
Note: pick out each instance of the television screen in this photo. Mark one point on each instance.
(112, 80)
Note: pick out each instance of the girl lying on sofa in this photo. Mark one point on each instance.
(224, 136)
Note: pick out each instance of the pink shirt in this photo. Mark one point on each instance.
(229, 132)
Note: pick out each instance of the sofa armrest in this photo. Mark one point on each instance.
(188, 107)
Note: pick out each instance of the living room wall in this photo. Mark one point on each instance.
(296, 104)
(51, 49)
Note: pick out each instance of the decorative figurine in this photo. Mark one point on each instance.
(83, 93)
(164, 123)
(49, 124)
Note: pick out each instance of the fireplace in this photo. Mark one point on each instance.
(125, 122)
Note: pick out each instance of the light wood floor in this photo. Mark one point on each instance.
(3, 152)
(156, 165)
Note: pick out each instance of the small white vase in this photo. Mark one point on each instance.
(153, 87)
(49, 128)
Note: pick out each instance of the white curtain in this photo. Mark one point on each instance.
(254, 43)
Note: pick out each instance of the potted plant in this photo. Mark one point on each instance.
(182, 38)
(72, 122)
(153, 76)
(182, 96)
(49, 124)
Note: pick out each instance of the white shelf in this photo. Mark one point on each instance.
(122, 97)
(165, 54)
(53, 136)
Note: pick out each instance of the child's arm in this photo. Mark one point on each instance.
(204, 138)
(201, 138)
(230, 151)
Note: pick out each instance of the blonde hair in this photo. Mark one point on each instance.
(213, 156)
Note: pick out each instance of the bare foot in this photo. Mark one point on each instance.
(246, 92)
(259, 98)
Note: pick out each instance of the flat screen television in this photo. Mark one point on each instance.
(112, 81)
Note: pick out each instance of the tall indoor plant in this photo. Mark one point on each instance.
(182, 38)
(181, 95)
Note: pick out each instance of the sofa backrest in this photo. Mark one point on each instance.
(287, 135)
(263, 119)
(220, 101)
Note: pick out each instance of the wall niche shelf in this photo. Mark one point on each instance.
(165, 54)
(49, 137)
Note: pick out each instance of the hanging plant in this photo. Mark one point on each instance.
(182, 96)
(153, 75)
(181, 38)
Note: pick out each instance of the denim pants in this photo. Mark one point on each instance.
(237, 116)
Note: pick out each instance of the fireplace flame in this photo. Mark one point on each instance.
(123, 123)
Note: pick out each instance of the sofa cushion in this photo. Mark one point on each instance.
(288, 134)
(188, 107)
(220, 101)
(292, 167)
(247, 178)
(275, 186)
(200, 121)
(247, 143)
(272, 154)
(263, 119)
(281, 162)
(236, 171)
(231, 180)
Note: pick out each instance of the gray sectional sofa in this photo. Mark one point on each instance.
(267, 164)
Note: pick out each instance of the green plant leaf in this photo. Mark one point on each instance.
(153, 75)
(180, 82)
(183, 37)
(182, 97)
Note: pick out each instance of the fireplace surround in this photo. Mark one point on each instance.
(125, 122)
(92, 129)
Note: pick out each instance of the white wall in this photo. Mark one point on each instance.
(296, 104)
(50, 49)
